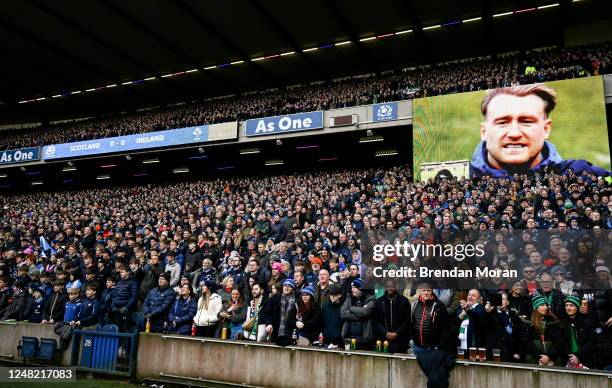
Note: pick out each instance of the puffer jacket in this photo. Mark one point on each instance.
(126, 292)
(182, 313)
(208, 316)
(158, 302)
(430, 324)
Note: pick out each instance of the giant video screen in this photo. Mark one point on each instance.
(555, 126)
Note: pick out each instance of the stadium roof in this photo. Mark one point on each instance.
(70, 58)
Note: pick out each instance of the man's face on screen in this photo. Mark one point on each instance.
(515, 129)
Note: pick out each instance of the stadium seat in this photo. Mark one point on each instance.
(48, 350)
(28, 347)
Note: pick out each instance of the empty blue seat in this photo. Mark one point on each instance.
(47, 349)
(28, 347)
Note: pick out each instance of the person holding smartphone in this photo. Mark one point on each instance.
(233, 314)
(503, 328)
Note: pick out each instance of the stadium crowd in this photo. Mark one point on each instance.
(289, 259)
(475, 74)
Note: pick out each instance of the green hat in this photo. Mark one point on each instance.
(574, 300)
(537, 301)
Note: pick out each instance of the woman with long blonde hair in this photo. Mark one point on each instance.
(209, 307)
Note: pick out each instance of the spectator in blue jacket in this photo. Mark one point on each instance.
(91, 306)
(182, 312)
(158, 302)
(124, 299)
(72, 312)
(45, 285)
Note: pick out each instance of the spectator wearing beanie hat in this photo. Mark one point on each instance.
(543, 337)
(430, 321)
(279, 314)
(312, 277)
(38, 305)
(308, 317)
(603, 275)
(578, 334)
(277, 277)
(158, 302)
(357, 313)
(331, 318)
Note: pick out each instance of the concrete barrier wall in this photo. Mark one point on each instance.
(11, 333)
(271, 366)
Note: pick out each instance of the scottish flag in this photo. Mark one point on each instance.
(46, 247)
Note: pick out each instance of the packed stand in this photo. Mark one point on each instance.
(289, 260)
(469, 75)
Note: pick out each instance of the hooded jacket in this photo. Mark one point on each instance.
(358, 261)
(550, 159)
